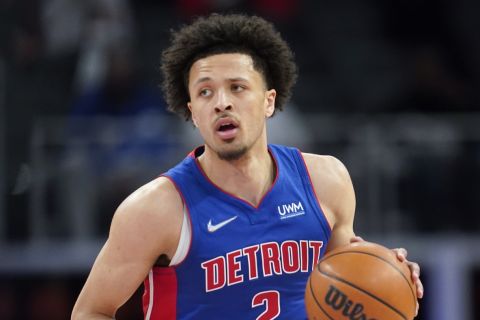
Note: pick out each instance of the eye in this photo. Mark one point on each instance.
(205, 92)
(237, 88)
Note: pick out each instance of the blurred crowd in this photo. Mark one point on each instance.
(93, 61)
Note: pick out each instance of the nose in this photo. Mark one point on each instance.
(223, 102)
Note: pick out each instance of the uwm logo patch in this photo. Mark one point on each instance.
(290, 210)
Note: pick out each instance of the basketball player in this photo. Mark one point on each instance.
(233, 231)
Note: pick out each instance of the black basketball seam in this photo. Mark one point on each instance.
(316, 301)
(378, 257)
(366, 292)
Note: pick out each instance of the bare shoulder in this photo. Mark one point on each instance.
(328, 169)
(333, 186)
(159, 195)
(151, 214)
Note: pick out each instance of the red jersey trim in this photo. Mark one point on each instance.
(314, 191)
(277, 174)
(188, 216)
(160, 296)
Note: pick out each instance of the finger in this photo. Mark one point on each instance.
(401, 254)
(415, 268)
(415, 271)
(416, 309)
(356, 239)
(419, 286)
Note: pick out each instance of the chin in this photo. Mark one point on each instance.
(232, 154)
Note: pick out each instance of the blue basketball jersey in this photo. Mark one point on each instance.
(244, 261)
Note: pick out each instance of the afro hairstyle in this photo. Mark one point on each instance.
(232, 33)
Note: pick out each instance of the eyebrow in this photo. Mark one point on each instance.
(205, 79)
(238, 79)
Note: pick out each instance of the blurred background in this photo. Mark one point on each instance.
(391, 88)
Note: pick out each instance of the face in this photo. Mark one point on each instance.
(229, 103)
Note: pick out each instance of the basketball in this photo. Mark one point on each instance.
(362, 280)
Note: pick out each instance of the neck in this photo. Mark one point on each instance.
(248, 178)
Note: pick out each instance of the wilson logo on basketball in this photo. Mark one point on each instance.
(339, 301)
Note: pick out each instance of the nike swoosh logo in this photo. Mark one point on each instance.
(214, 227)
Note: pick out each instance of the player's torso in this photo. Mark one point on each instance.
(249, 262)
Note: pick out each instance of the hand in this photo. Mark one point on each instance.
(414, 268)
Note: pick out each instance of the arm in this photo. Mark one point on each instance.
(335, 194)
(146, 225)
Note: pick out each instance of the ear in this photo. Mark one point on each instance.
(270, 102)
(189, 105)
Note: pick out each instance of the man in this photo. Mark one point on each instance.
(234, 230)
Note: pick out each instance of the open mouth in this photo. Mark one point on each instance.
(227, 129)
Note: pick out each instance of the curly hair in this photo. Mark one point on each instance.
(233, 33)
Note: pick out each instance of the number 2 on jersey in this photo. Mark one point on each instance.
(271, 300)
